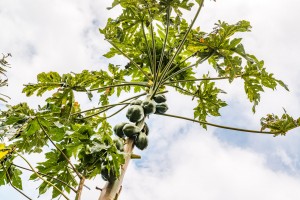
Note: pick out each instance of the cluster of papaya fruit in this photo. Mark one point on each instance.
(137, 129)
(136, 112)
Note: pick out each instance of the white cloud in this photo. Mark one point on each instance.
(181, 162)
(198, 166)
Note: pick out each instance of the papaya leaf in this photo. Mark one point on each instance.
(279, 125)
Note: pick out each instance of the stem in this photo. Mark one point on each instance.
(134, 63)
(9, 180)
(218, 126)
(80, 187)
(64, 155)
(112, 189)
(66, 184)
(164, 72)
(41, 176)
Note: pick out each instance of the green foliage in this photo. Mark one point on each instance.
(163, 51)
(208, 101)
(9, 174)
(279, 125)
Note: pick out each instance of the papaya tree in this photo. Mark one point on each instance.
(164, 52)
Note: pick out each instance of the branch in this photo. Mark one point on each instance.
(9, 180)
(41, 176)
(64, 155)
(218, 126)
(66, 184)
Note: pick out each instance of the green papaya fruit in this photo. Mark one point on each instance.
(136, 102)
(119, 144)
(160, 98)
(130, 130)
(149, 107)
(145, 129)
(118, 129)
(161, 108)
(135, 113)
(141, 141)
(108, 175)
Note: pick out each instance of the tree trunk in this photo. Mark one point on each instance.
(112, 190)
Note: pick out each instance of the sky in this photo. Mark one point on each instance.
(183, 161)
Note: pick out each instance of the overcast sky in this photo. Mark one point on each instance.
(183, 161)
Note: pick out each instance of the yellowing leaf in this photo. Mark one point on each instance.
(3, 151)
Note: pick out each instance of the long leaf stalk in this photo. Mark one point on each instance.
(148, 48)
(183, 90)
(10, 182)
(167, 67)
(31, 167)
(218, 126)
(98, 108)
(153, 45)
(186, 68)
(112, 105)
(117, 104)
(162, 54)
(113, 114)
(178, 65)
(66, 184)
(63, 154)
(200, 79)
(119, 85)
